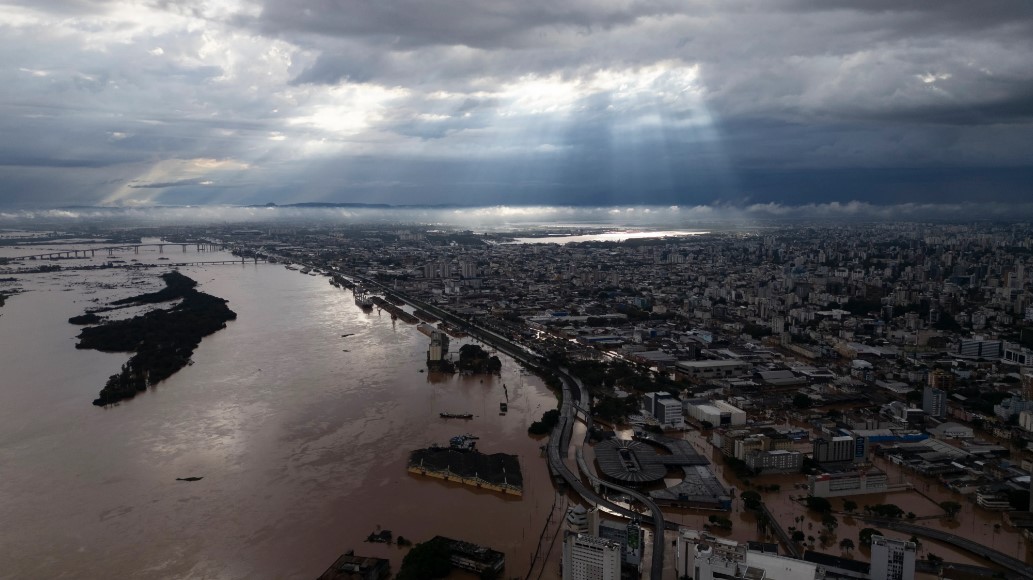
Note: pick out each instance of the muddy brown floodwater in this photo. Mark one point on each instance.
(301, 436)
(972, 522)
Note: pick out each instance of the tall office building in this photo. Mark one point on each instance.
(840, 449)
(934, 402)
(893, 559)
(979, 348)
(665, 408)
(590, 558)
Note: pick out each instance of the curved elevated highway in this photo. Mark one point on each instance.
(657, 565)
(559, 440)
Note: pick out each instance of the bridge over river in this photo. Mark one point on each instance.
(199, 246)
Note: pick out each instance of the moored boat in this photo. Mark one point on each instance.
(363, 299)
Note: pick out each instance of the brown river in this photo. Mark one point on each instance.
(301, 436)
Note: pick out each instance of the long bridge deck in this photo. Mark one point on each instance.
(137, 265)
(204, 246)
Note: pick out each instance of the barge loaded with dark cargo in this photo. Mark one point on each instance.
(497, 471)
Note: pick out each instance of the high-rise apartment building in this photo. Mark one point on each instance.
(893, 559)
(590, 558)
(840, 449)
(934, 402)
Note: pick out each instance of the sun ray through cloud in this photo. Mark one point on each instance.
(681, 103)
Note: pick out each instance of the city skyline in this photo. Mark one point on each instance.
(737, 105)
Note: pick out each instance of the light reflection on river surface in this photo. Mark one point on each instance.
(606, 237)
(301, 435)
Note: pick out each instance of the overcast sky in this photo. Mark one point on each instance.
(489, 102)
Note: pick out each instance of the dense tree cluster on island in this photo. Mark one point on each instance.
(472, 359)
(162, 340)
(88, 318)
(545, 425)
(430, 559)
(4, 295)
(475, 359)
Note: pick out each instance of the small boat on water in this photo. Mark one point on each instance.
(456, 415)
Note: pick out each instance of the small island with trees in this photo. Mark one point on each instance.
(162, 340)
(5, 294)
(473, 358)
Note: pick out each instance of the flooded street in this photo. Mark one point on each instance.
(786, 505)
(301, 436)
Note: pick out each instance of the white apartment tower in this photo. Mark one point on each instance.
(590, 558)
(893, 559)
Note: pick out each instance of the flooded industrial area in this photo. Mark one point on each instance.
(298, 417)
(784, 494)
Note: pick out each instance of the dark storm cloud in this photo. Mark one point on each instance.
(815, 61)
(955, 15)
(744, 101)
(64, 7)
(16, 161)
(412, 24)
